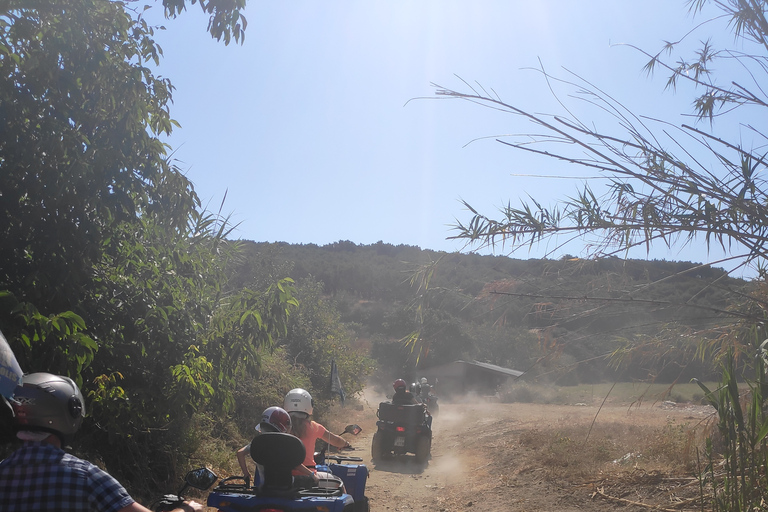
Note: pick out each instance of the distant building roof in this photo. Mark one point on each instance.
(462, 377)
(494, 368)
(455, 368)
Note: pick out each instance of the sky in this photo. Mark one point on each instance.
(324, 125)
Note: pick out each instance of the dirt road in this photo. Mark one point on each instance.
(485, 457)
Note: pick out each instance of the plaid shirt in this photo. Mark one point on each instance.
(41, 477)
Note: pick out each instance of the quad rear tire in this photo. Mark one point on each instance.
(423, 448)
(377, 447)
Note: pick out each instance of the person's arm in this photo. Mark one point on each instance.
(334, 440)
(187, 506)
(304, 470)
(108, 489)
(241, 460)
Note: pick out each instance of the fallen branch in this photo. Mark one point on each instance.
(690, 501)
(599, 492)
(684, 481)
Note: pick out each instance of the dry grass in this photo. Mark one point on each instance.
(577, 453)
(645, 454)
(623, 392)
(579, 450)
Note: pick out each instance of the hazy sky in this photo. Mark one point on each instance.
(309, 130)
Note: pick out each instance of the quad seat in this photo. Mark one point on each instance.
(279, 454)
(405, 414)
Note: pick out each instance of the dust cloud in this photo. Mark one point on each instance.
(372, 395)
(374, 392)
(448, 469)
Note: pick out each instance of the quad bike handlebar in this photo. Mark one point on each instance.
(343, 458)
(202, 478)
(322, 455)
(234, 482)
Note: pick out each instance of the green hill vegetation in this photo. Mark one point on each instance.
(566, 321)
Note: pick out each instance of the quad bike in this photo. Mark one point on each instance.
(434, 409)
(424, 394)
(430, 400)
(279, 453)
(354, 476)
(402, 429)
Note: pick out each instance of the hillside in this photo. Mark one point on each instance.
(555, 319)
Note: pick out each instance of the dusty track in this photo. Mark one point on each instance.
(478, 462)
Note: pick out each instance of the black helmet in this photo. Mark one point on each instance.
(48, 403)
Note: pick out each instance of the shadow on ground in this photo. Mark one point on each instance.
(403, 464)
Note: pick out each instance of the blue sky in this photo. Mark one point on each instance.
(308, 128)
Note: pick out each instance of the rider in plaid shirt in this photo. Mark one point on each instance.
(40, 476)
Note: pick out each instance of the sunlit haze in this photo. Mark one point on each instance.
(324, 125)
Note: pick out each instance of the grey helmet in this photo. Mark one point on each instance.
(48, 403)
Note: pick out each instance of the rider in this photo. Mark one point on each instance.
(402, 396)
(48, 410)
(425, 387)
(273, 419)
(298, 402)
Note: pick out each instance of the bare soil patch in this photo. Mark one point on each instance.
(534, 457)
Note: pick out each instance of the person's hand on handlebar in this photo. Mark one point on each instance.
(171, 504)
(191, 506)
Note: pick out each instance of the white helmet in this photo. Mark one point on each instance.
(298, 400)
(423, 380)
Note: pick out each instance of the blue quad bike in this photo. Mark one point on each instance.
(354, 476)
(279, 453)
(402, 429)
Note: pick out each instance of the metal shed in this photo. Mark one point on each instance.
(463, 377)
